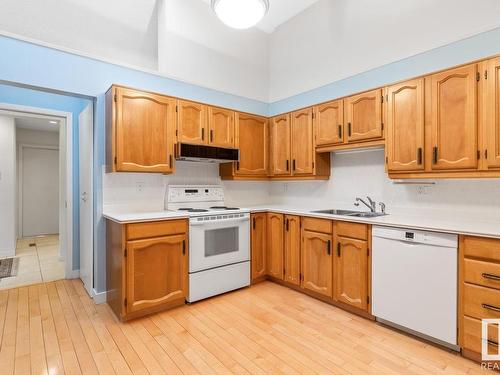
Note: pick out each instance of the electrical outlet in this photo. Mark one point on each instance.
(285, 187)
(423, 190)
(139, 186)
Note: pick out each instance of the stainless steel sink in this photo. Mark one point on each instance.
(349, 213)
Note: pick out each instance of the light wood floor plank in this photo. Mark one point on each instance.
(56, 328)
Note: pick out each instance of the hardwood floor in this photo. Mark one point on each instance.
(55, 328)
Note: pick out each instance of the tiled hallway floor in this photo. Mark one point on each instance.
(36, 263)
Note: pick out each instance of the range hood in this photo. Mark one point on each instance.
(206, 154)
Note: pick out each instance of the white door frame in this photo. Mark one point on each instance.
(28, 111)
(20, 151)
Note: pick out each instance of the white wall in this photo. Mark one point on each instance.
(7, 186)
(333, 40)
(361, 174)
(194, 46)
(117, 30)
(37, 137)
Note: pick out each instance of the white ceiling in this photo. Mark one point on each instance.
(280, 11)
(34, 123)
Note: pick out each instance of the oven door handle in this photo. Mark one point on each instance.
(228, 221)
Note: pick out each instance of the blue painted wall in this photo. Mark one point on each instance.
(40, 99)
(31, 64)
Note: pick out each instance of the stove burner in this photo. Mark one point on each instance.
(189, 209)
(223, 208)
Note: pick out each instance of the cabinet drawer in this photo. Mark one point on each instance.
(480, 302)
(472, 335)
(156, 229)
(482, 273)
(352, 230)
(479, 247)
(317, 225)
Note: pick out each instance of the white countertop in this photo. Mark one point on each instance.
(432, 221)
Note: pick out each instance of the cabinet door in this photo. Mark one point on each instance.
(157, 272)
(292, 249)
(351, 272)
(317, 263)
(280, 145)
(302, 142)
(145, 129)
(363, 114)
(192, 122)
(275, 245)
(492, 105)
(454, 119)
(221, 127)
(329, 123)
(258, 241)
(252, 139)
(405, 126)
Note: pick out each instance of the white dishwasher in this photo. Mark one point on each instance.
(414, 282)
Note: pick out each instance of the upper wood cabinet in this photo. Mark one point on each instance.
(351, 272)
(405, 126)
(140, 131)
(156, 272)
(453, 119)
(192, 122)
(302, 142)
(220, 127)
(252, 140)
(317, 263)
(329, 123)
(275, 245)
(258, 245)
(280, 140)
(292, 249)
(363, 115)
(492, 120)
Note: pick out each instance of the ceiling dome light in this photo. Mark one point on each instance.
(240, 14)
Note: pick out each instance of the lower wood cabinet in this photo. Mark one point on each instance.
(317, 265)
(258, 245)
(291, 268)
(147, 267)
(275, 245)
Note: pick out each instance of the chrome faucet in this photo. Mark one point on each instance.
(382, 207)
(372, 205)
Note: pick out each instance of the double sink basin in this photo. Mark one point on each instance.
(349, 213)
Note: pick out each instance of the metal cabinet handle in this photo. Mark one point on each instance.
(287, 165)
(340, 131)
(435, 154)
(490, 307)
(237, 165)
(293, 163)
(491, 276)
(184, 247)
(491, 342)
(170, 159)
(202, 134)
(287, 226)
(349, 129)
(419, 156)
(329, 247)
(338, 249)
(211, 136)
(253, 223)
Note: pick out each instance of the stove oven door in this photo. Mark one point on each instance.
(218, 241)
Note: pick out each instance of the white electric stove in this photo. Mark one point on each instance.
(219, 240)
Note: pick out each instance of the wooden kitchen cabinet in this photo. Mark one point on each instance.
(317, 263)
(252, 135)
(291, 269)
(280, 139)
(302, 145)
(140, 130)
(351, 272)
(147, 266)
(258, 245)
(275, 245)
(453, 119)
(220, 127)
(192, 122)
(405, 126)
(492, 118)
(363, 115)
(329, 123)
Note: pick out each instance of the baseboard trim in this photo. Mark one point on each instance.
(99, 297)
